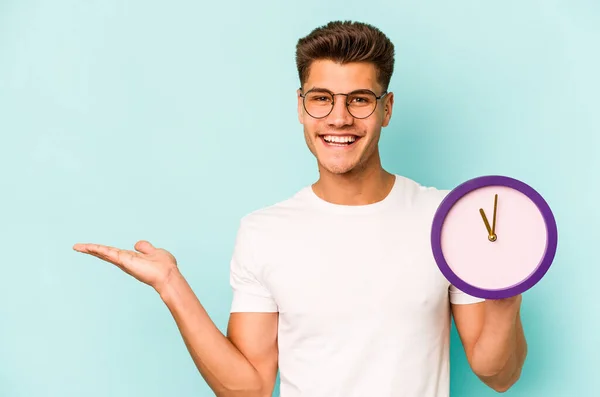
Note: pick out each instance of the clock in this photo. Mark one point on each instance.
(494, 237)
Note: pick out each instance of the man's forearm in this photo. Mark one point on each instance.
(220, 363)
(500, 351)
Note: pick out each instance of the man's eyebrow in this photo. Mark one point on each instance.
(319, 89)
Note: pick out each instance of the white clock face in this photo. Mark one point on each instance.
(519, 247)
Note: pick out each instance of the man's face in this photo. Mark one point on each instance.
(341, 142)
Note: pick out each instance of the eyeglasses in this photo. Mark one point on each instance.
(319, 103)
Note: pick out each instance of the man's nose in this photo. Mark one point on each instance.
(339, 115)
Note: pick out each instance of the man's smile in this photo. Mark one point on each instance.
(339, 141)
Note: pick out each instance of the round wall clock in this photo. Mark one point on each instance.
(494, 237)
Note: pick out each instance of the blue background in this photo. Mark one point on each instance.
(128, 120)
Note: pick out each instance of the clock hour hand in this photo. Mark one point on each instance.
(491, 235)
(485, 220)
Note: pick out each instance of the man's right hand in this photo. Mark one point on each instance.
(242, 364)
(150, 265)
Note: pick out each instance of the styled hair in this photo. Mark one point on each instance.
(344, 42)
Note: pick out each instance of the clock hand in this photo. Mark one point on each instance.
(494, 216)
(485, 220)
(491, 236)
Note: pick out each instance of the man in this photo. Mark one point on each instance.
(337, 287)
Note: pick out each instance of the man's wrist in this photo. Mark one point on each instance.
(169, 286)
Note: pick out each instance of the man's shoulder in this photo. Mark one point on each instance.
(418, 193)
(271, 215)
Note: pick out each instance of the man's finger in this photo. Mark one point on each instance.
(106, 259)
(110, 254)
(87, 248)
(145, 247)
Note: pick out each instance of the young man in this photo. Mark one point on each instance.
(337, 287)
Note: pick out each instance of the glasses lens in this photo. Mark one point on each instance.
(361, 104)
(318, 103)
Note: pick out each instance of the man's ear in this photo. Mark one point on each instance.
(388, 104)
(300, 107)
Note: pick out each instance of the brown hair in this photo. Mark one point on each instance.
(343, 42)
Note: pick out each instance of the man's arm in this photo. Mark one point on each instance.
(255, 335)
(244, 364)
(492, 336)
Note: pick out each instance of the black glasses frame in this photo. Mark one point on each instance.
(333, 95)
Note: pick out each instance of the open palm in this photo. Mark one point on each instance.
(147, 264)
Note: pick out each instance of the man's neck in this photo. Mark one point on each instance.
(356, 188)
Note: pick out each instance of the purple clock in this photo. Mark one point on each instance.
(494, 237)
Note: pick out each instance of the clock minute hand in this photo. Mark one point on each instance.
(494, 216)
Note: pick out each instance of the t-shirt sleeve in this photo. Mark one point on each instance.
(249, 293)
(459, 297)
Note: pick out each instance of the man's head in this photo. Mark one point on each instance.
(342, 131)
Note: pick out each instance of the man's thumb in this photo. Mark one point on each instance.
(144, 247)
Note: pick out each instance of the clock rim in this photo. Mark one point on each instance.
(477, 183)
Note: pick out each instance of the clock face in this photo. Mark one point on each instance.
(493, 237)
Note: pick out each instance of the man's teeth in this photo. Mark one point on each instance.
(339, 139)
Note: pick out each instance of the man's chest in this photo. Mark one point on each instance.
(365, 268)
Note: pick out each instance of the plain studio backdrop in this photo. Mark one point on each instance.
(129, 120)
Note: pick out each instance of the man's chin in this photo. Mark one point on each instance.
(338, 168)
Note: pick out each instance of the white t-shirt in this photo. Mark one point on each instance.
(363, 308)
